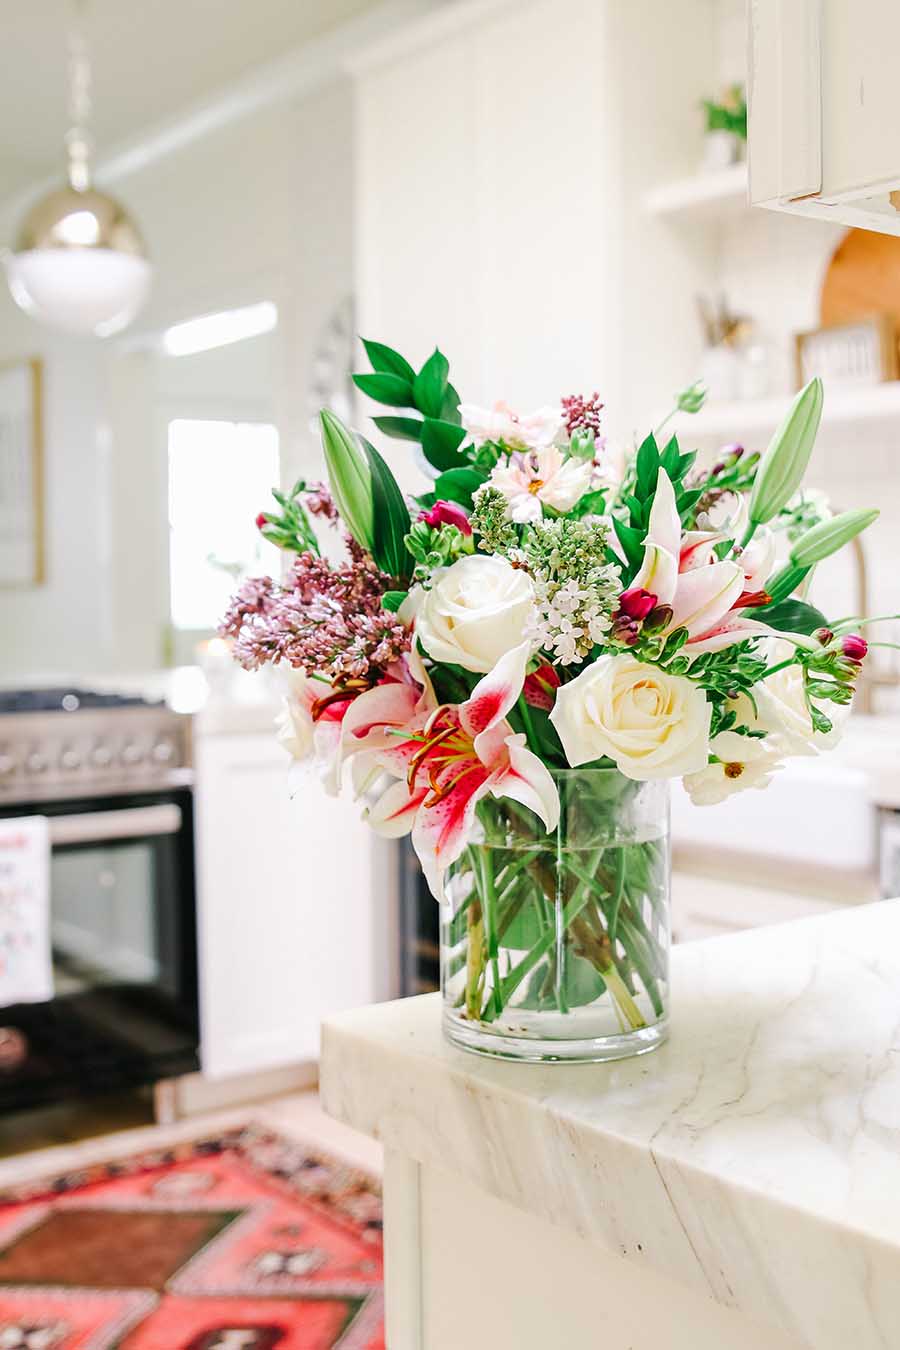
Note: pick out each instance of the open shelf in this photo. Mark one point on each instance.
(732, 421)
(717, 192)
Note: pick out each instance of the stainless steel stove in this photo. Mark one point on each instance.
(112, 776)
(67, 742)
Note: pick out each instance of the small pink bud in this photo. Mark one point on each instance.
(824, 635)
(636, 603)
(261, 521)
(854, 647)
(447, 513)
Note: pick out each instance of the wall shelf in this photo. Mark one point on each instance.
(732, 421)
(715, 193)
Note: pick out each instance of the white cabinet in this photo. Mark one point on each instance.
(295, 902)
(824, 133)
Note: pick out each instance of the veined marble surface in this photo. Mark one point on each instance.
(755, 1157)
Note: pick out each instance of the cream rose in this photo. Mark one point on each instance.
(476, 611)
(652, 725)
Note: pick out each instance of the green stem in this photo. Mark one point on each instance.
(510, 983)
(616, 899)
(489, 901)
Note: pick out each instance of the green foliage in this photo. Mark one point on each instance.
(401, 428)
(383, 388)
(435, 546)
(290, 528)
(639, 491)
(392, 600)
(785, 582)
(388, 362)
(459, 485)
(390, 517)
(790, 616)
(430, 385)
(349, 477)
(440, 444)
(728, 113)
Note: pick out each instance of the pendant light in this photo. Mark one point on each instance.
(79, 263)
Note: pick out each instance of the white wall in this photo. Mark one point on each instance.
(261, 209)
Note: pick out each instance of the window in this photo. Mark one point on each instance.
(221, 474)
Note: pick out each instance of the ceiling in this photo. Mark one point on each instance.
(151, 58)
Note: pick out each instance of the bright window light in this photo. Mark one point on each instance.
(218, 330)
(221, 474)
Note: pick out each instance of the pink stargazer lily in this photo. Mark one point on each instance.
(704, 594)
(446, 758)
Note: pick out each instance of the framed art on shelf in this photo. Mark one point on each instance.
(21, 474)
(861, 352)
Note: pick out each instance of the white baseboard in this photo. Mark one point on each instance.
(196, 1094)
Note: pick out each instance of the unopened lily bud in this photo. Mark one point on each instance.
(349, 478)
(824, 635)
(829, 536)
(854, 647)
(783, 465)
(691, 400)
(636, 603)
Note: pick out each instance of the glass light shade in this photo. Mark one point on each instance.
(80, 264)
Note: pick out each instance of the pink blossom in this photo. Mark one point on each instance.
(854, 647)
(447, 513)
(582, 414)
(636, 603)
(540, 688)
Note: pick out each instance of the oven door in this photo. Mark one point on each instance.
(123, 939)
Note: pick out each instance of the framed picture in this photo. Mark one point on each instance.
(849, 354)
(21, 474)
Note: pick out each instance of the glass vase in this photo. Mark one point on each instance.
(556, 946)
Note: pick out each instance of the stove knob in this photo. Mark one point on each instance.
(101, 756)
(70, 758)
(7, 764)
(131, 753)
(163, 752)
(36, 762)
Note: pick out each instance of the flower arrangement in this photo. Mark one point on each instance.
(512, 664)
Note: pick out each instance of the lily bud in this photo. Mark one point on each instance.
(783, 465)
(659, 618)
(350, 479)
(829, 536)
(854, 647)
(447, 513)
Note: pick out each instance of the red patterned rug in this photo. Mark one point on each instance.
(247, 1241)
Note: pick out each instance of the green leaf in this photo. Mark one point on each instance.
(390, 517)
(459, 485)
(390, 389)
(430, 385)
(392, 600)
(388, 362)
(632, 541)
(401, 428)
(450, 406)
(647, 467)
(790, 616)
(440, 444)
(670, 459)
(785, 582)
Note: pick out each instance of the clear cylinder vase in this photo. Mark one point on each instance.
(556, 946)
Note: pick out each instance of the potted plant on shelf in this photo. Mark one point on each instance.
(513, 665)
(725, 141)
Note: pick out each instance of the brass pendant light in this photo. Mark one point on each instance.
(79, 262)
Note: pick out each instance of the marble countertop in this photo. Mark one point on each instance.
(755, 1157)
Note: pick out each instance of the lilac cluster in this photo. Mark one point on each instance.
(327, 619)
(582, 414)
(319, 502)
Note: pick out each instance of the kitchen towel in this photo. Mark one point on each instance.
(26, 968)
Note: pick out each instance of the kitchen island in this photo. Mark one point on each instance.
(738, 1188)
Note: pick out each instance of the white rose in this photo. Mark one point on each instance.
(475, 612)
(651, 724)
(744, 762)
(781, 710)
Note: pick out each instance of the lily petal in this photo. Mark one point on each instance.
(496, 693)
(394, 814)
(758, 560)
(697, 549)
(527, 780)
(369, 717)
(658, 574)
(705, 596)
(732, 629)
(441, 831)
(664, 526)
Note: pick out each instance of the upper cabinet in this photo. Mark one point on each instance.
(824, 133)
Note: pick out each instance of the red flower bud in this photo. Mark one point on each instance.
(854, 647)
(636, 603)
(540, 688)
(824, 635)
(261, 521)
(447, 513)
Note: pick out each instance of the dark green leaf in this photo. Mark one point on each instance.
(390, 389)
(390, 517)
(670, 459)
(647, 467)
(790, 616)
(388, 362)
(632, 541)
(401, 428)
(450, 406)
(440, 444)
(430, 385)
(392, 600)
(459, 485)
